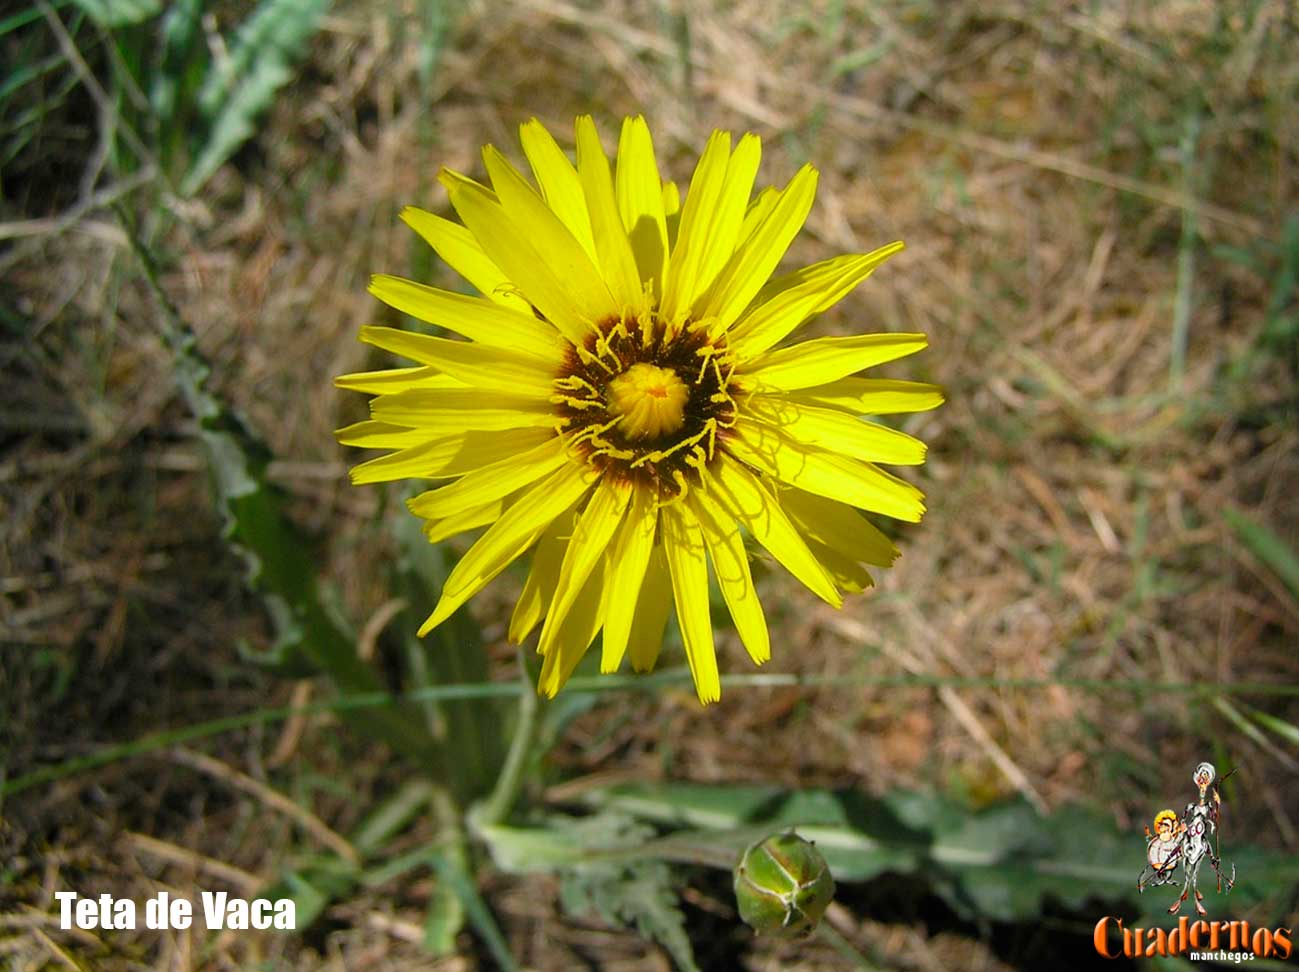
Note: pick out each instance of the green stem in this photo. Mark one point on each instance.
(501, 801)
(152, 742)
(845, 948)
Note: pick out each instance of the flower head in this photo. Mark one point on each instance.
(620, 408)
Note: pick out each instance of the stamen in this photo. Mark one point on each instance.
(705, 354)
(577, 382)
(717, 371)
(683, 486)
(509, 288)
(645, 398)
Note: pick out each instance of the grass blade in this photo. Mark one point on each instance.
(1274, 552)
(460, 882)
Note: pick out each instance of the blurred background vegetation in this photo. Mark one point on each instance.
(1101, 206)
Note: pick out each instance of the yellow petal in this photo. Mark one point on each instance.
(683, 545)
(539, 588)
(380, 435)
(435, 531)
(629, 556)
(873, 396)
(834, 431)
(671, 215)
(395, 379)
(756, 258)
(480, 320)
(560, 186)
(457, 246)
(837, 477)
(725, 220)
(758, 209)
(579, 629)
(849, 575)
(448, 409)
(681, 282)
(731, 565)
(828, 359)
(491, 482)
(838, 526)
(572, 305)
(640, 204)
(652, 609)
(595, 528)
(509, 538)
(786, 302)
(616, 260)
(549, 236)
(475, 365)
(671, 200)
(444, 455)
(747, 500)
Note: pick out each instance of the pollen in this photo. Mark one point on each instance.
(648, 401)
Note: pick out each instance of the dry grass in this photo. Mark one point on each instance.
(1033, 162)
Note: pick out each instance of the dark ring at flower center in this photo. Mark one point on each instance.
(646, 402)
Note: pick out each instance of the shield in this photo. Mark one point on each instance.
(1163, 855)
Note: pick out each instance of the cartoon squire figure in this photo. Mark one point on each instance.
(1186, 842)
(1164, 846)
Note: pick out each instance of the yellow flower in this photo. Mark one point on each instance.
(620, 407)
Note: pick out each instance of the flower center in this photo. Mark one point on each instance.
(650, 401)
(645, 401)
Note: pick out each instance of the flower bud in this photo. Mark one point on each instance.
(783, 886)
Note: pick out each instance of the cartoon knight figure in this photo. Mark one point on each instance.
(1201, 822)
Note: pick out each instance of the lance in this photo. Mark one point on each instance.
(1217, 830)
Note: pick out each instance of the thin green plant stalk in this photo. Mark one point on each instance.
(1185, 260)
(831, 936)
(496, 808)
(454, 844)
(608, 683)
(453, 654)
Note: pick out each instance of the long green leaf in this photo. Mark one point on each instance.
(238, 90)
(178, 38)
(279, 560)
(119, 13)
(1003, 863)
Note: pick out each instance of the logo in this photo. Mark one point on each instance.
(1223, 941)
(1175, 851)
(1186, 842)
